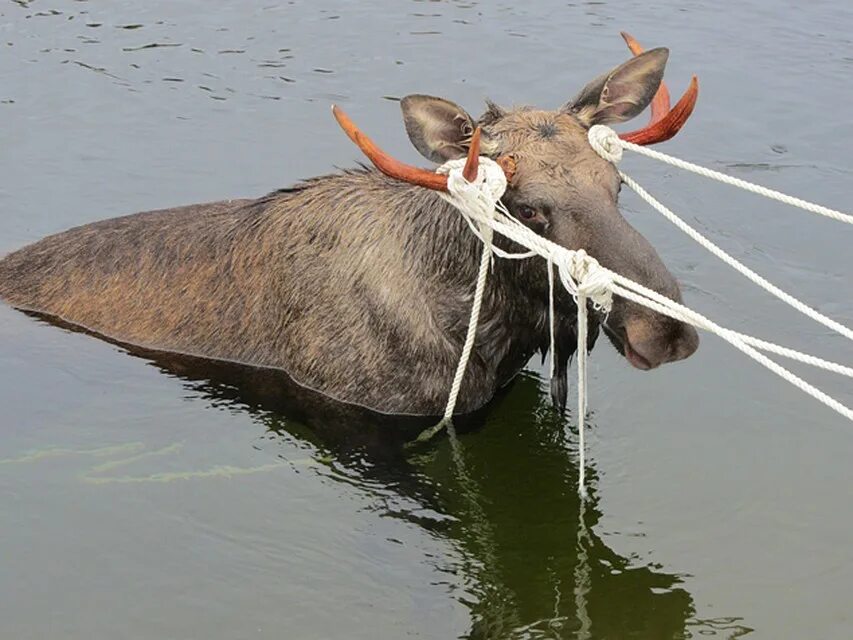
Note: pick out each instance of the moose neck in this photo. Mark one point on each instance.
(401, 266)
(513, 319)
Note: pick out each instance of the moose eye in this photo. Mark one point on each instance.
(526, 212)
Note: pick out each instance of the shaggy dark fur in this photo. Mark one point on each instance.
(360, 286)
(318, 280)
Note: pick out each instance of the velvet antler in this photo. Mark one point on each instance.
(665, 122)
(407, 173)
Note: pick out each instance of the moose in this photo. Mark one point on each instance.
(359, 284)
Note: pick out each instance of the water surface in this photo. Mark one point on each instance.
(153, 497)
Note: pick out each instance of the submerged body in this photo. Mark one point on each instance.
(359, 285)
(313, 280)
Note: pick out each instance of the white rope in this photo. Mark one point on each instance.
(805, 358)
(552, 319)
(587, 281)
(605, 141)
(482, 276)
(582, 353)
(480, 198)
(604, 136)
(608, 144)
(736, 264)
(682, 313)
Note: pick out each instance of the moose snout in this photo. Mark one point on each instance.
(647, 346)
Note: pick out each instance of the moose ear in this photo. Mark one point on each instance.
(439, 129)
(622, 93)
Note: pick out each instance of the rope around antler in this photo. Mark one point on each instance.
(608, 144)
(605, 141)
(490, 187)
(479, 204)
(584, 278)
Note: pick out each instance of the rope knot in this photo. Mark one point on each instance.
(475, 200)
(490, 180)
(606, 143)
(587, 277)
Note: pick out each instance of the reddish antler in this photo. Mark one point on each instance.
(407, 173)
(665, 122)
(469, 171)
(385, 163)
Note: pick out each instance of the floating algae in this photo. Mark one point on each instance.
(34, 456)
(112, 464)
(223, 471)
(135, 451)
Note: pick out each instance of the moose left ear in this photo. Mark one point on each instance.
(623, 92)
(439, 129)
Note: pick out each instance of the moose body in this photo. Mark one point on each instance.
(360, 285)
(318, 280)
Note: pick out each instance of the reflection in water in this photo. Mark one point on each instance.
(501, 488)
(536, 567)
(505, 496)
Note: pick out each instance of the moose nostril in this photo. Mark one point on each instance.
(646, 350)
(686, 344)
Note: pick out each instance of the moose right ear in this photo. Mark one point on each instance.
(623, 92)
(439, 129)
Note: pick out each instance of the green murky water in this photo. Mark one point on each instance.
(161, 498)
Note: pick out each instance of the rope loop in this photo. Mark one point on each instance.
(606, 143)
(490, 181)
(587, 280)
(586, 277)
(477, 202)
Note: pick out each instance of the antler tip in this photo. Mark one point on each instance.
(632, 43)
(469, 172)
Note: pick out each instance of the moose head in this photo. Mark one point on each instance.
(560, 187)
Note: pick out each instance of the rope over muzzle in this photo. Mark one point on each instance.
(586, 280)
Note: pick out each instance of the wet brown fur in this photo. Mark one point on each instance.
(319, 280)
(357, 285)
